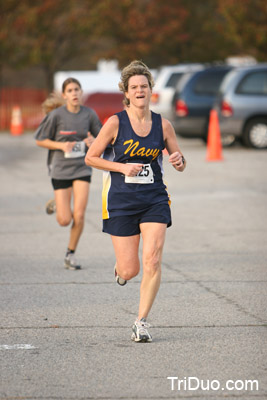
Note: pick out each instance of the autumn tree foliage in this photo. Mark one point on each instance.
(9, 44)
(246, 26)
(55, 34)
(150, 30)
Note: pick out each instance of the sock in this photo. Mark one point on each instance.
(69, 251)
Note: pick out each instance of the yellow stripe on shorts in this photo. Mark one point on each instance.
(105, 191)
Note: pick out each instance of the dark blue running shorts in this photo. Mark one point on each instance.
(129, 225)
(66, 183)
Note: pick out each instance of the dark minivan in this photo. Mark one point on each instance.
(193, 100)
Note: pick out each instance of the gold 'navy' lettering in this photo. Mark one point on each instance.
(142, 151)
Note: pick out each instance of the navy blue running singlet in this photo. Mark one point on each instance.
(127, 198)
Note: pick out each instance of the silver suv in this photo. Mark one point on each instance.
(242, 106)
(165, 84)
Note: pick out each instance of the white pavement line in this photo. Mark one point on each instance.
(16, 347)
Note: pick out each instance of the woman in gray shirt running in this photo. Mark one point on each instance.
(67, 132)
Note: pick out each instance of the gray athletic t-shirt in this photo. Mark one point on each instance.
(62, 125)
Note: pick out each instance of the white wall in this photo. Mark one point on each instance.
(91, 81)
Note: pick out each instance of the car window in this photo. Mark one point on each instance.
(209, 83)
(183, 81)
(253, 83)
(173, 79)
(227, 81)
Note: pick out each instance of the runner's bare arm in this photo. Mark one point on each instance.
(53, 145)
(176, 157)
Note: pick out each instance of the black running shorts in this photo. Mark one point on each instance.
(129, 225)
(66, 183)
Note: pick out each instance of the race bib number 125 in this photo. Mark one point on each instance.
(144, 176)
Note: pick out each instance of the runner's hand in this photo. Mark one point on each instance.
(132, 169)
(177, 160)
(68, 146)
(89, 140)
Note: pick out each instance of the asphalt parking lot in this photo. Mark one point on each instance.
(66, 334)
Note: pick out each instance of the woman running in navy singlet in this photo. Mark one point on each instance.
(135, 201)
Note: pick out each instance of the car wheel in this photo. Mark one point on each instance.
(228, 140)
(255, 133)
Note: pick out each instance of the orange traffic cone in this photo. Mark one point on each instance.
(16, 126)
(214, 147)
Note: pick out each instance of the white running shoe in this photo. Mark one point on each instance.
(120, 281)
(50, 207)
(70, 262)
(140, 332)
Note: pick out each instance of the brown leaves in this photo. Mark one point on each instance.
(55, 34)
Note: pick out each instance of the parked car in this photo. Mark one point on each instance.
(193, 100)
(242, 105)
(165, 84)
(105, 104)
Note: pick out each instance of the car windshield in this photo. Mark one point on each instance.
(209, 83)
(174, 79)
(182, 82)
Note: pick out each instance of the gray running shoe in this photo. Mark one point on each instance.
(140, 332)
(50, 207)
(70, 262)
(120, 281)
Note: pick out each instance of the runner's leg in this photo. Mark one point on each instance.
(153, 235)
(63, 206)
(126, 252)
(80, 199)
